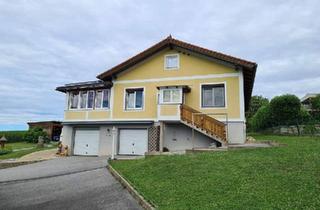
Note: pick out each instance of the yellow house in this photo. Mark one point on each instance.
(171, 97)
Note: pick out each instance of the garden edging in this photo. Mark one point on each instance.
(145, 204)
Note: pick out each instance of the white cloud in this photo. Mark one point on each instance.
(44, 44)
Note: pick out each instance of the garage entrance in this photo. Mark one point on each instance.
(86, 142)
(133, 141)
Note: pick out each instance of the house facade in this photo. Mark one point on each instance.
(171, 97)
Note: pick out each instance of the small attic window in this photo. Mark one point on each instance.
(171, 62)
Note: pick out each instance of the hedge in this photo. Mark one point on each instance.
(13, 136)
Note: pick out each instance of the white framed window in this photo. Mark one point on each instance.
(213, 95)
(171, 62)
(102, 100)
(90, 102)
(134, 98)
(73, 100)
(171, 95)
(105, 98)
(83, 99)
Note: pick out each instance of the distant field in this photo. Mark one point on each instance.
(13, 136)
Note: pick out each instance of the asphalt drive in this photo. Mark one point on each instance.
(63, 183)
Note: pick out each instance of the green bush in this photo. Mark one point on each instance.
(310, 129)
(255, 103)
(286, 109)
(262, 119)
(13, 136)
(33, 134)
(5, 150)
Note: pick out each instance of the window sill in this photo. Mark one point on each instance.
(171, 69)
(133, 110)
(84, 110)
(170, 103)
(214, 107)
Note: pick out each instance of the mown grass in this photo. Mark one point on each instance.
(286, 177)
(29, 148)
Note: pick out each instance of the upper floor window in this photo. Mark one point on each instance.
(89, 99)
(102, 99)
(134, 98)
(213, 95)
(171, 62)
(83, 99)
(73, 100)
(171, 95)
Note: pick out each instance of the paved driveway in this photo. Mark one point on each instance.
(63, 183)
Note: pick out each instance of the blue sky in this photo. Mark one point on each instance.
(44, 44)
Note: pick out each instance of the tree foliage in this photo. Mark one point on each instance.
(282, 110)
(255, 103)
(33, 134)
(286, 109)
(315, 102)
(262, 118)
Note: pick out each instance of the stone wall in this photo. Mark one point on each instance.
(293, 130)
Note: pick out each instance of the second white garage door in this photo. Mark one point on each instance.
(133, 141)
(86, 142)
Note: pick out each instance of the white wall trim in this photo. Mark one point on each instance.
(208, 76)
(112, 120)
(241, 96)
(145, 119)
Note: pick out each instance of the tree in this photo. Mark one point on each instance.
(255, 103)
(287, 110)
(33, 134)
(315, 107)
(262, 118)
(315, 103)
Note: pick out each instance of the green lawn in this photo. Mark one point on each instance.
(285, 177)
(25, 148)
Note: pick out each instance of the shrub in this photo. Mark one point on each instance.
(262, 119)
(5, 150)
(255, 103)
(13, 136)
(286, 109)
(33, 134)
(310, 129)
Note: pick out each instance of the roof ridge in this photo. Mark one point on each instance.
(214, 51)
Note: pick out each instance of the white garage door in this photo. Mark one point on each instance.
(133, 141)
(86, 142)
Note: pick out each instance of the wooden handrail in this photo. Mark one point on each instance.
(203, 121)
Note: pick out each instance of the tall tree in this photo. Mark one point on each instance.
(287, 110)
(255, 103)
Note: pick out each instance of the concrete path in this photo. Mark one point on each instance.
(63, 183)
(40, 155)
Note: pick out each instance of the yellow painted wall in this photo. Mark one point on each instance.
(189, 66)
(192, 98)
(153, 68)
(98, 114)
(86, 115)
(169, 110)
(74, 115)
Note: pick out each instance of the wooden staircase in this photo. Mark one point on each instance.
(203, 123)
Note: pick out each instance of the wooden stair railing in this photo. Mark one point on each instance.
(204, 122)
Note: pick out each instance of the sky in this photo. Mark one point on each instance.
(45, 44)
